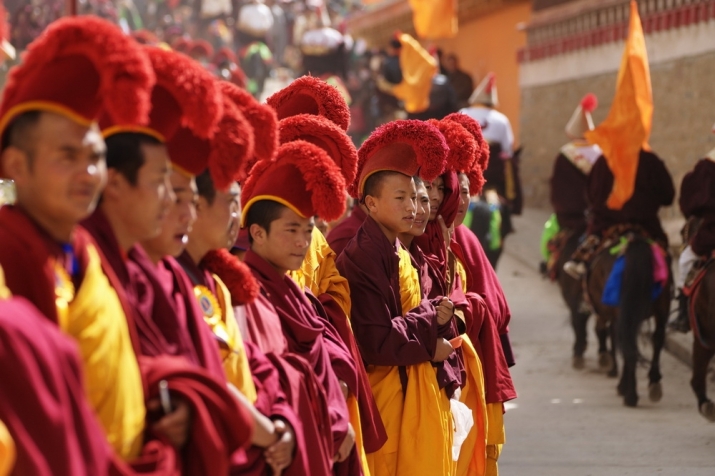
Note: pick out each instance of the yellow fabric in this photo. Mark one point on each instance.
(7, 446)
(627, 127)
(235, 361)
(114, 385)
(387, 390)
(460, 271)
(4, 291)
(320, 275)
(472, 457)
(493, 452)
(410, 291)
(496, 436)
(435, 19)
(509, 182)
(418, 69)
(354, 411)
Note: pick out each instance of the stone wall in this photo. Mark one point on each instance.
(684, 102)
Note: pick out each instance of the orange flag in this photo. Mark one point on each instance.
(627, 127)
(418, 69)
(434, 19)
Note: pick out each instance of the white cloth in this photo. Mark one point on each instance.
(685, 264)
(495, 127)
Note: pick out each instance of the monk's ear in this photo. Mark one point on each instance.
(258, 233)
(370, 203)
(15, 164)
(116, 185)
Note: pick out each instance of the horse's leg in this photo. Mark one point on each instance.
(579, 321)
(606, 355)
(701, 360)
(655, 389)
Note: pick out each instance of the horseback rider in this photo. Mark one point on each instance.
(653, 189)
(697, 202)
(571, 169)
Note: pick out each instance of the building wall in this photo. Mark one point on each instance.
(682, 62)
(490, 43)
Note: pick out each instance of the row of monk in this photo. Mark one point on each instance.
(156, 317)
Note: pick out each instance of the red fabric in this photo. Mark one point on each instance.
(263, 330)
(304, 330)
(346, 230)
(482, 281)
(42, 398)
(219, 425)
(137, 293)
(384, 336)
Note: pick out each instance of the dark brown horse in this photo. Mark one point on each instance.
(703, 307)
(636, 305)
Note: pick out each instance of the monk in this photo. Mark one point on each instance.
(398, 347)
(280, 226)
(340, 236)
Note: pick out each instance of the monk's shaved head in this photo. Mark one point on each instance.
(374, 183)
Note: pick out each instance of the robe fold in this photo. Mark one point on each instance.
(304, 331)
(340, 236)
(42, 399)
(86, 307)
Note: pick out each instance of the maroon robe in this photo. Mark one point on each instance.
(487, 328)
(42, 400)
(653, 189)
(697, 199)
(346, 230)
(304, 332)
(370, 263)
(568, 194)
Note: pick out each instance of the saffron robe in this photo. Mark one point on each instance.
(42, 399)
(320, 276)
(304, 332)
(91, 313)
(340, 236)
(697, 199)
(653, 189)
(390, 342)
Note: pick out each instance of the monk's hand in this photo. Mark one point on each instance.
(280, 454)
(447, 231)
(344, 388)
(173, 426)
(347, 445)
(445, 311)
(443, 350)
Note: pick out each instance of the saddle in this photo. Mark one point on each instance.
(555, 247)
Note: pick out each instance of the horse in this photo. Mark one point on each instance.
(636, 305)
(573, 295)
(702, 308)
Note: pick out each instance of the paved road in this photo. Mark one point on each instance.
(568, 422)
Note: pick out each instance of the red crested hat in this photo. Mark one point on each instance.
(224, 54)
(462, 146)
(225, 154)
(410, 147)
(261, 118)
(145, 37)
(77, 67)
(201, 48)
(309, 182)
(234, 273)
(326, 135)
(310, 95)
(475, 172)
(185, 94)
(181, 45)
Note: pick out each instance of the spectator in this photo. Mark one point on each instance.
(461, 80)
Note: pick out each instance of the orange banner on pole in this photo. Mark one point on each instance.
(627, 128)
(434, 19)
(418, 69)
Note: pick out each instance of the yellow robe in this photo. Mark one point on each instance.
(418, 421)
(7, 445)
(95, 319)
(495, 434)
(220, 318)
(319, 274)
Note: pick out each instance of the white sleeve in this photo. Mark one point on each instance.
(507, 143)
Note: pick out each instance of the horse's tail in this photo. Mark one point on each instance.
(636, 296)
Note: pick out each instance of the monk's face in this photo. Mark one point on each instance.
(286, 242)
(174, 234)
(463, 199)
(422, 209)
(435, 190)
(217, 223)
(141, 207)
(59, 170)
(393, 207)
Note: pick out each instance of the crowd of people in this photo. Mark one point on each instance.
(168, 304)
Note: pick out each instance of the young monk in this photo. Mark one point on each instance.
(280, 224)
(398, 346)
